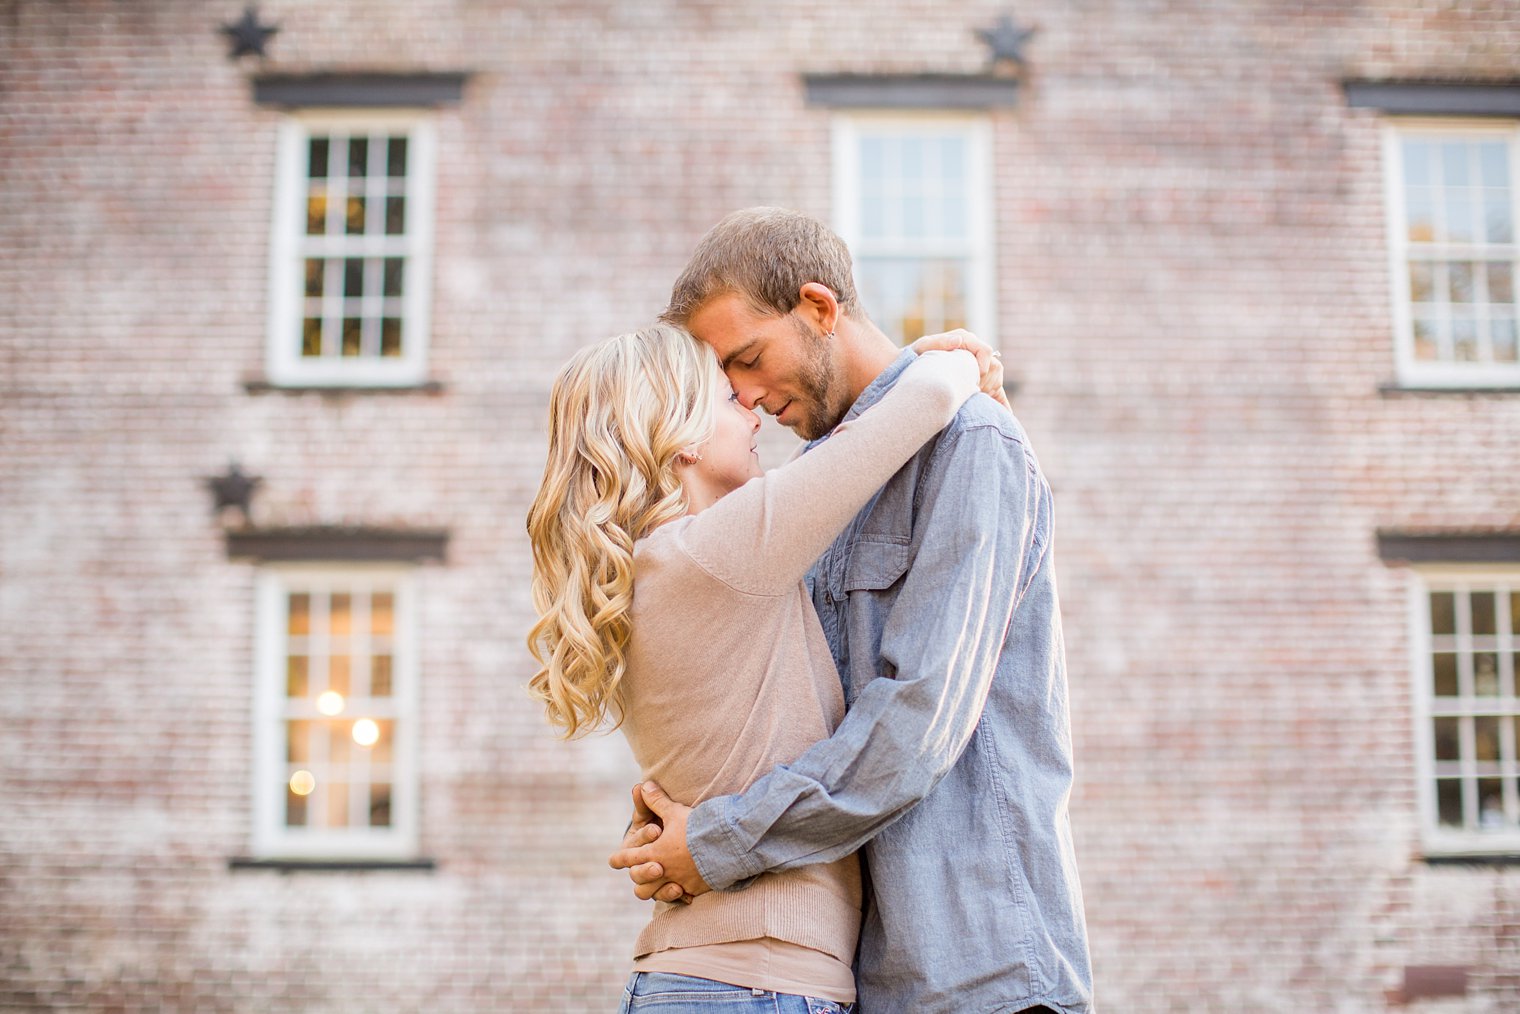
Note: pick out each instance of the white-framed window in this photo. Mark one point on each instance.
(913, 199)
(1466, 637)
(335, 758)
(351, 251)
(1452, 188)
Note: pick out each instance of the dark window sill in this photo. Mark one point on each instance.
(331, 865)
(261, 386)
(1392, 390)
(1494, 859)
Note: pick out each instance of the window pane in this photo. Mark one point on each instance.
(315, 270)
(295, 676)
(379, 805)
(354, 218)
(390, 336)
(395, 161)
(380, 676)
(1514, 613)
(1420, 209)
(1454, 164)
(316, 212)
(1493, 161)
(316, 158)
(1497, 226)
(311, 336)
(382, 613)
(358, 157)
(393, 276)
(1486, 674)
(353, 277)
(1445, 674)
(1486, 738)
(340, 615)
(1503, 331)
(1460, 274)
(300, 614)
(1491, 805)
(1464, 337)
(1421, 282)
(295, 808)
(1483, 606)
(1449, 801)
(380, 753)
(1417, 163)
(1443, 613)
(336, 798)
(339, 742)
(1501, 277)
(1427, 337)
(1460, 208)
(298, 741)
(338, 674)
(1448, 739)
(353, 329)
(395, 216)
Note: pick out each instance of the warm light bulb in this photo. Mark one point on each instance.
(366, 732)
(330, 703)
(302, 782)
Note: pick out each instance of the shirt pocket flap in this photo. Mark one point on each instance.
(875, 564)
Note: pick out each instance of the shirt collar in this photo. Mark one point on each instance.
(876, 390)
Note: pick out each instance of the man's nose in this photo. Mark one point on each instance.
(749, 397)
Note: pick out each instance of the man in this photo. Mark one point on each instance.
(952, 768)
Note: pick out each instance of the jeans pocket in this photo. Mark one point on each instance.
(817, 1005)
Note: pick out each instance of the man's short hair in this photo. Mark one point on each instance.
(765, 255)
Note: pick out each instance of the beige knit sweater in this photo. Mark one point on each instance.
(728, 670)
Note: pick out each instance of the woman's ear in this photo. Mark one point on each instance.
(818, 305)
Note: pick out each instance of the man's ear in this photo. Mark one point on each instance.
(818, 305)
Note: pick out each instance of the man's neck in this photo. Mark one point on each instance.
(865, 351)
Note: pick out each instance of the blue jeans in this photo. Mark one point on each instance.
(685, 994)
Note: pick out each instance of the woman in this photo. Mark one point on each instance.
(668, 575)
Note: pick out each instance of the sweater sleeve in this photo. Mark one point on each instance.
(762, 538)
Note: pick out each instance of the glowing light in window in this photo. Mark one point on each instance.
(330, 703)
(302, 782)
(366, 732)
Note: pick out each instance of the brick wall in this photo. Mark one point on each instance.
(1193, 297)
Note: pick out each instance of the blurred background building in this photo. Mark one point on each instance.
(281, 295)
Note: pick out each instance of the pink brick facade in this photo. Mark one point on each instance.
(1193, 296)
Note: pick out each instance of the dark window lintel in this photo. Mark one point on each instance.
(358, 91)
(328, 544)
(1436, 98)
(330, 865)
(255, 385)
(1448, 547)
(911, 91)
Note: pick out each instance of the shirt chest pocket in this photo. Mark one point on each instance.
(875, 563)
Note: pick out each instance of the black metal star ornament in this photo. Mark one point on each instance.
(248, 35)
(233, 490)
(1006, 40)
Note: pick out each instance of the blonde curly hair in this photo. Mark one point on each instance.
(619, 414)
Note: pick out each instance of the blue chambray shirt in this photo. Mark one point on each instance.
(952, 769)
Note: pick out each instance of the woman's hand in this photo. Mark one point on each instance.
(988, 360)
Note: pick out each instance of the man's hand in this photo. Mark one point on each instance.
(655, 854)
(988, 360)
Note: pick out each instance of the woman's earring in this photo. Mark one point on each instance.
(691, 457)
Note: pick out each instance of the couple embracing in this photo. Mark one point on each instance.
(843, 679)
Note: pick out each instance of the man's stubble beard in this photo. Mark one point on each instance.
(820, 382)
